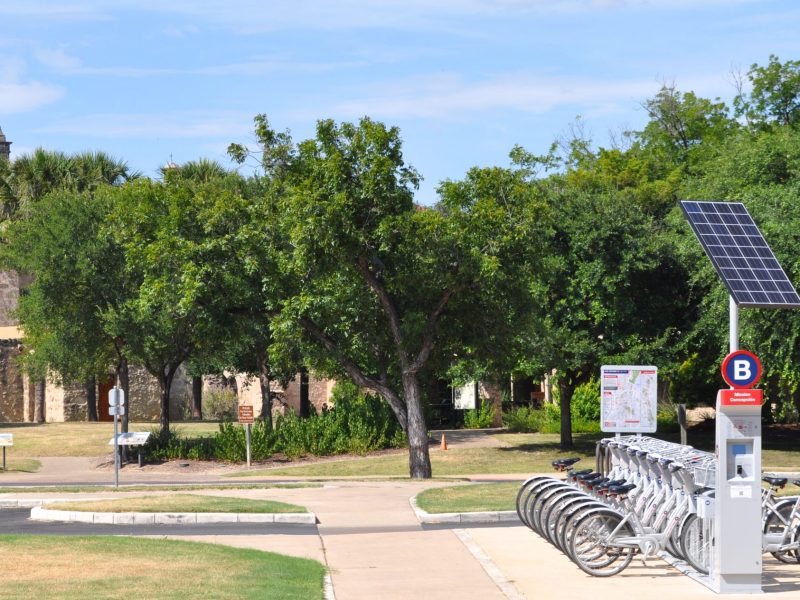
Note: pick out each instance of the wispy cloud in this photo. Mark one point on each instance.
(254, 15)
(450, 95)
(61, 62)
(24, 97)
(177, 125)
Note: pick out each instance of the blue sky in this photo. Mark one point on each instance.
(465, 80)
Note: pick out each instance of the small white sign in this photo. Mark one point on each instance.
(464, 397)
(6, 439)
(131, 438)
(116, 397)
(116, 410)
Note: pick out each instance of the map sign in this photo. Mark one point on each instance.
(628, 398)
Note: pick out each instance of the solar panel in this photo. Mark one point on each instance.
(740, 254)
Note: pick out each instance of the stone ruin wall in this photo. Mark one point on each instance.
(11, 383)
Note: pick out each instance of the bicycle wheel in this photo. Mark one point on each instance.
(782, 521)
(572, 519)
(696, 544)
(532, 502)
(592, 544)
(542, 502)
(550, 514)
(524, 489)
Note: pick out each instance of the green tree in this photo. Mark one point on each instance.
(377, 284)
(775, 94)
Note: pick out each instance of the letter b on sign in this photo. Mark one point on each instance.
(741, 369)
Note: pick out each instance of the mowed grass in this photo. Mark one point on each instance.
(21, 465)
(522, 453)
(81, 439)
(470, 498)
(191, 503)
(77, 568)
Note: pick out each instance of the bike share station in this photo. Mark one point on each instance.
(702, 512)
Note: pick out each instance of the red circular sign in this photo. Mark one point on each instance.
(741, 369)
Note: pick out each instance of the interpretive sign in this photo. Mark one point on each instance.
(131, 438)
(628, 398)
(6, 439)
(246, 414)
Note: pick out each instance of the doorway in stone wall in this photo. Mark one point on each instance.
(103, 387)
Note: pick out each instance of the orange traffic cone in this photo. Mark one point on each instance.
(444, 442)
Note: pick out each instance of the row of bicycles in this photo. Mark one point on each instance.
(646, 497)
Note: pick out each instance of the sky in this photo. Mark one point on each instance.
(465, 80)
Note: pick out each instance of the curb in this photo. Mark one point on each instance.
(38, 513)
(498, 516)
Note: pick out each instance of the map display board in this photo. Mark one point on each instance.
(628, 398)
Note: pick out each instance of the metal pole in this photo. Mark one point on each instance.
(734, 326)
(116, 452)
(4, 459)
(247, 435)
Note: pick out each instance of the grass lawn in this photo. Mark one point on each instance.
(82, 489)
(470, 498)
(192, 503)
(76, 568)
(21, 465)
(82, 439)
(488, 497)
(523, 453)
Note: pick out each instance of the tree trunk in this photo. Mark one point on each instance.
(264, 380)
(91, 399)
(305, 404)
(197, 398)
(419, 460)
(165, 377)
(566, 387)
(38, 403)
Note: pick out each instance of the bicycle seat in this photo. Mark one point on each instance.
(564, 462)
(589, 476)
(778, 482)
(621, 489)
(607, 484)
(576, 474)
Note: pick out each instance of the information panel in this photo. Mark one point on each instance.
(628, 400)
(464, 397)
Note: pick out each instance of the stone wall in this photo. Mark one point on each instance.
(11, 383)
(284, 399)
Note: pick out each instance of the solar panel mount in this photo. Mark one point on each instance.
(740, 255)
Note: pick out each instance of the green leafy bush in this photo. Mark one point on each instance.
(220, 404)
(481, 417)
(545, 420)
(586, 401)
(358, 423)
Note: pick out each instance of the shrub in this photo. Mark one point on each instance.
(169, 445)
(586, 401)
(220, 404)
(545, 420)
(481, 417)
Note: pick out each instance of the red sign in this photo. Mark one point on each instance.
(741, 369)
(741, 397)
(246, 414)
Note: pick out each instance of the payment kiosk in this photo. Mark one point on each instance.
(736, 566)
